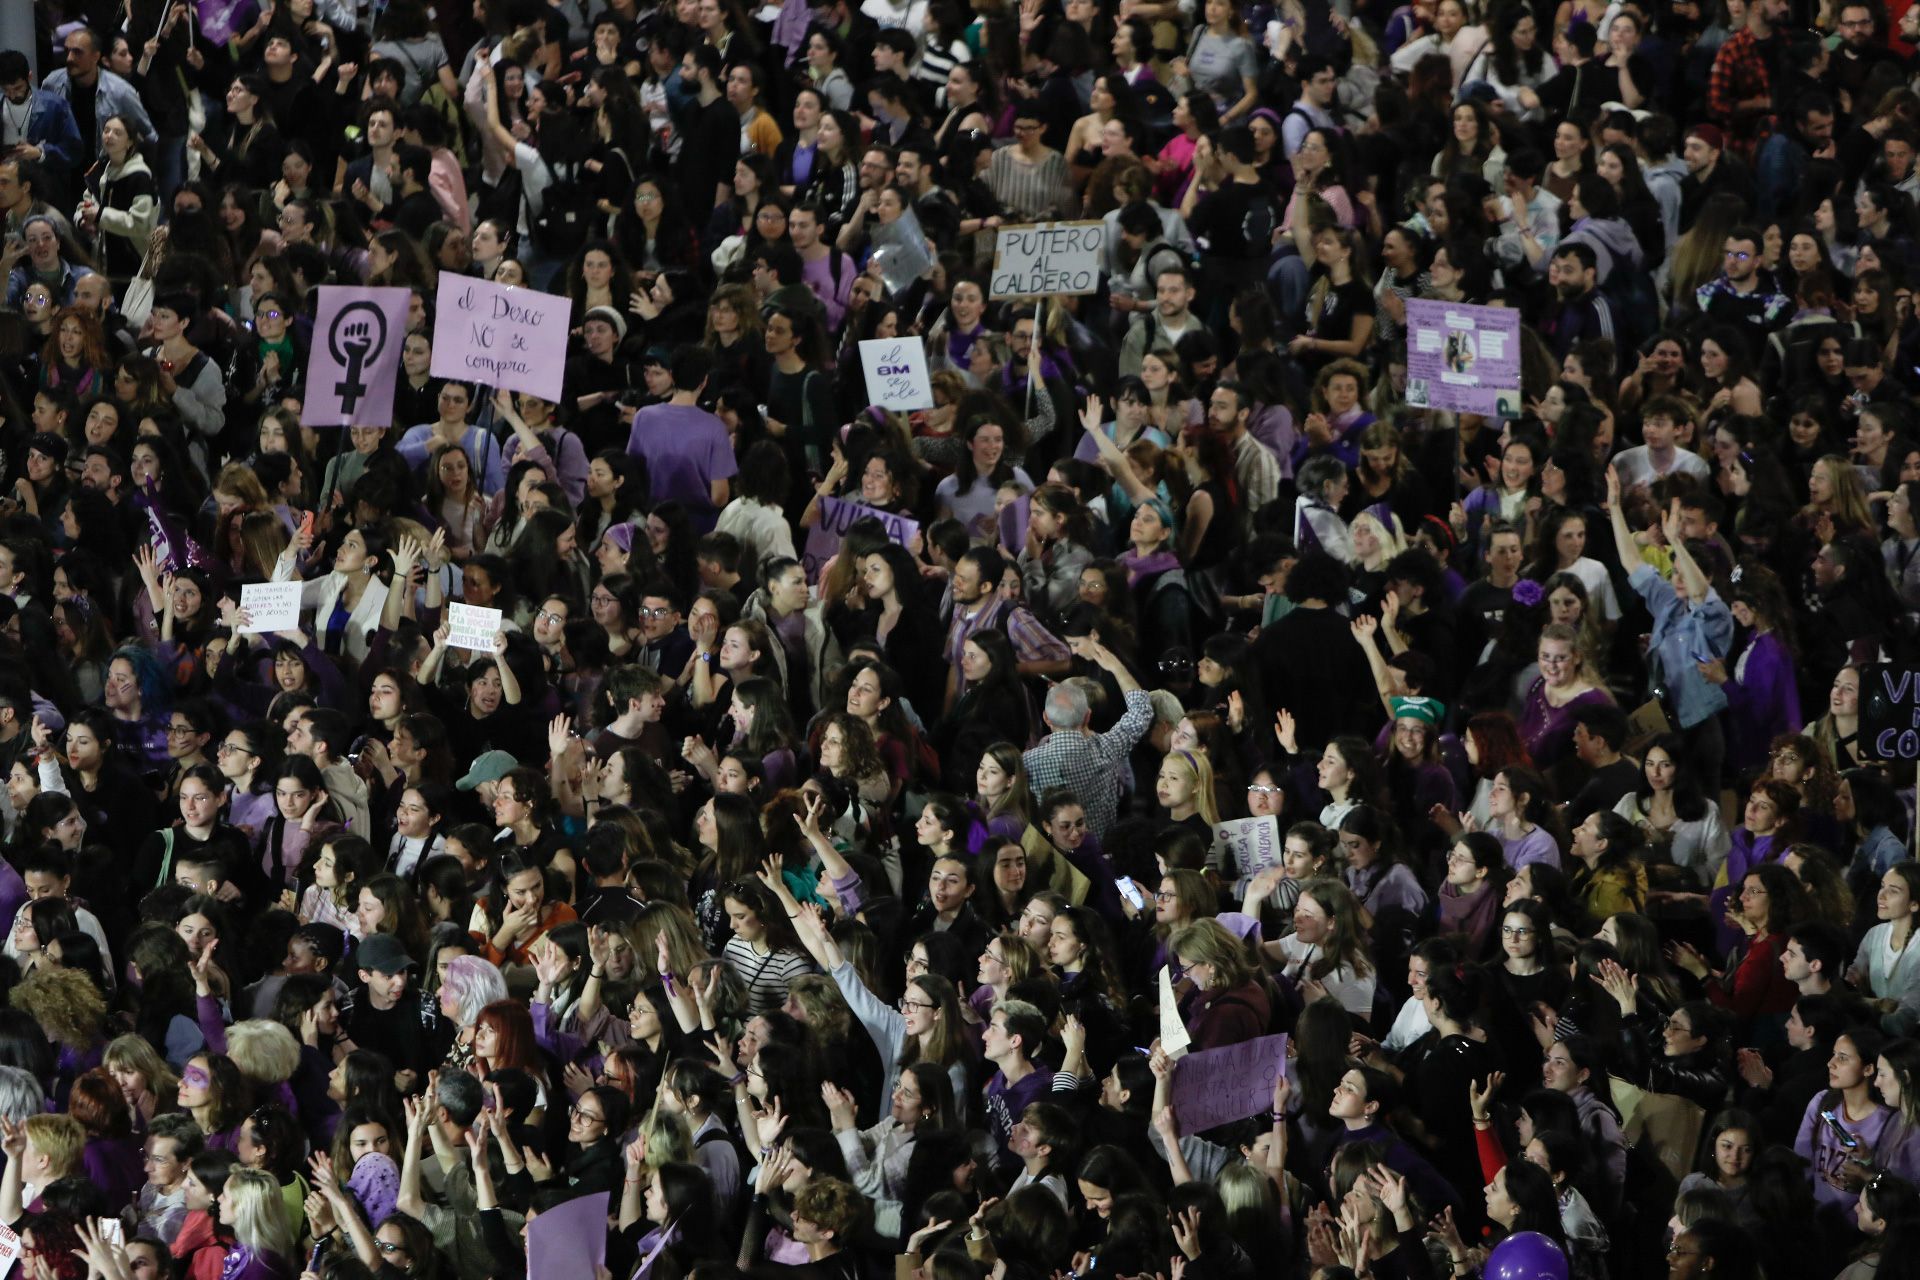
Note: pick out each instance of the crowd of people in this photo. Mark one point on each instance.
(842, 890)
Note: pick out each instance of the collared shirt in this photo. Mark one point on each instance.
(1739, 72)
(1091, 765)
(1031, 642)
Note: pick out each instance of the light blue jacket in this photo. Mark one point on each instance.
(1684, 635)
(115, 98)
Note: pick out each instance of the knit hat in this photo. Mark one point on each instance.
(612, 317)
(1709, 134)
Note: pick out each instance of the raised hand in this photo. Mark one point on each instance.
(1480, 1096)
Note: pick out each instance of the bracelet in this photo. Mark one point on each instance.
(738, 1080)
(595, 973)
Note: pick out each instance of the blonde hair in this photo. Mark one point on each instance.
(1201, 771)
(136, 1053)
(60, 1139)
(259, 1213)
(828, 1016)
(668, 1136)
(66, 1004)
(1392, 540)
(265, 1051)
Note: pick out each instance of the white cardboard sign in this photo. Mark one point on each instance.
(472, 627)
(270, 607)
(896, 371)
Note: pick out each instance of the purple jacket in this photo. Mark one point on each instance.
(1763, 702)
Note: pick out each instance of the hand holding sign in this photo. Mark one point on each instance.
(896, 371)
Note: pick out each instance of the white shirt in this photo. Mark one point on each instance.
(1353, 991)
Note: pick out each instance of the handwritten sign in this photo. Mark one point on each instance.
(472, 627)
(1463, 358)
(1219, 1086)
(569, 1239)
(270, 607)
(10, 1250)
(501, 337)
(1038, 259)
(1247, 845)
(355, 358)
(1890, 712)
(896, 371)
(836, 517)
(1174, 1039)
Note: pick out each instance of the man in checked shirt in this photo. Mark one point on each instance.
(1073, 756)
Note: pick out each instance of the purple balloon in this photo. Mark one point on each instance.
(1526, 1255)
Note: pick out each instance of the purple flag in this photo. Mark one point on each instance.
(174, 548)
(222, 20)
(355, 359)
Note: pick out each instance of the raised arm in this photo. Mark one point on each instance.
(1628, 549)
(1685, 567)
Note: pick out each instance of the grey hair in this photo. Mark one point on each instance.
(1317, 472)
(460, 1094)
(20, 1094)
(474, 982)
(1066, 706)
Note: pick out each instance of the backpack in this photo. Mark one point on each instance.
(567, 211)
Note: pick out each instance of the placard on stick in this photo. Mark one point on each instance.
(471, 627)
(499, 336)
(896, 370)
(1062, 259)
(270, 607)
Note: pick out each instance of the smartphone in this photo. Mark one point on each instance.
(112, 1231)
(306, 523)
(1840, 1134)
(1131, 892)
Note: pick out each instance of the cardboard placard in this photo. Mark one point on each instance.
(472, 627)
(1219, 1086)
(270, 607)
(1463, 358)
(1041, 259)
(896, 370)
(570, 1239)
(500, 336)
(836, 516)
(354, 362)
(1252, 844)
(1173, 1032)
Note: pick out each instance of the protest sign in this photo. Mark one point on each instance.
(270, 607)
(1219, 1086)
(569, 1239)
(1058, 258)
(1248, 845)
(501, 337)
(899, 251)
(10, 1250)
(1463, 358)
(1890, 712)
(896, 370)
(472, 627)
(1174, 1040)
(1014, 519)
(836, 516)
(355, 358)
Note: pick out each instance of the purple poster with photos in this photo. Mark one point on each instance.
(1463, 358)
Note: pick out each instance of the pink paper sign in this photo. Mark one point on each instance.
(1219, 1086)
(499, 336)
(355, 359)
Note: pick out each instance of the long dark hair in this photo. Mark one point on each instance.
(1689, 803)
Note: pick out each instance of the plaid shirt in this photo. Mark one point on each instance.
(1091, 765)
(1739, 73)
(1031, 642)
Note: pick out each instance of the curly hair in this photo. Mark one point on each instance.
(65, 1003)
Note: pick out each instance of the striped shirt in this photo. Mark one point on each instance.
(766, 976)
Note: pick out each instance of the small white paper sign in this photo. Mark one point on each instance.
(896, 371)
(270, 607)
(10, 1250)
(472, 627)
(1174, 1040)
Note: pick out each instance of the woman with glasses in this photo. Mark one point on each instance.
(927, 1025)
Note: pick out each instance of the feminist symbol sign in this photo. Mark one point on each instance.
(356, 357)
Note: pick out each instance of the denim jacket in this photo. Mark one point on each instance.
(1685, 634)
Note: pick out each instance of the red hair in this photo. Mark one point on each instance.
(513, 1025)
(1498, 740)
(97, 1103)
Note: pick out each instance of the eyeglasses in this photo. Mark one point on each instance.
(906, 1004)
(559, 619)
(1162, 895)
(269, 314)
(1509, 931)
(580, 1113)
(389, 1248)
(228, 748)
(174, 729)
(1262, 789)
(659, 614)
(1738, 255)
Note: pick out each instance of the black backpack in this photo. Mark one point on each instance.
(566, 213)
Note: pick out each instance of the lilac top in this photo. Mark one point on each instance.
(1816, 1142)
(1535, 846)
(1547, 730)
(1395, 887)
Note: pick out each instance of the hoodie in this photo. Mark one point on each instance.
(1613, 241)
(346, 789)
(1664, 180)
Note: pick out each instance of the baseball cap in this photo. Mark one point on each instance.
(382, 953)
(488, 766)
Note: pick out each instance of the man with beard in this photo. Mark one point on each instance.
(1579, 311)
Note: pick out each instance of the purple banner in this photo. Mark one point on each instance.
(355, 359)
(1463, 358)
(222, 20)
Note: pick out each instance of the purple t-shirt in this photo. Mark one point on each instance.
(686, 449)
(1005, 1102)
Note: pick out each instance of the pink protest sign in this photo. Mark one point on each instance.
(499, 336)
(355, 360)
